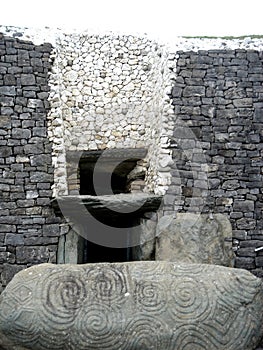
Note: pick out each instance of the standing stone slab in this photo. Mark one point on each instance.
(195, 238)
(128, 306)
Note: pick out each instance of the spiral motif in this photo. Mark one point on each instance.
(149, 269)
(189, 269)
(83, 308)
(98, 327)
(62, 293)
(190, 300)
(150, 296)
(145, 333)
(108, 284)
(193, 337)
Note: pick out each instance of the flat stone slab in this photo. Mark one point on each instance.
(195, 238)
(134, 204)
(128, 306)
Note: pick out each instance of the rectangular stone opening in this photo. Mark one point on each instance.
(115, 172)
(108, 174)
(94, 253)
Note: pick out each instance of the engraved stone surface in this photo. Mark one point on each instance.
(128, 306)
(195, 238)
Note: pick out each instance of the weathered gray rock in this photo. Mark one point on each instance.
(134, 204)
(138, 305)
(195, 238)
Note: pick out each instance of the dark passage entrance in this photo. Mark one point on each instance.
(119, 176)
(94, 253)
(126, 160)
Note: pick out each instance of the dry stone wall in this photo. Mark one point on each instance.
(218, 101)
(29, 229)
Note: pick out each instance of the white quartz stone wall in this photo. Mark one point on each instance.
(111, 92)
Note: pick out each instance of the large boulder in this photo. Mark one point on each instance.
(195, 238)
(129, 306)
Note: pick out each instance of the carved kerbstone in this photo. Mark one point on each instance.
(128, 306)
(195, 238)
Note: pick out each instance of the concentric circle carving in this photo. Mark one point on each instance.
(150, 296)
(62, 293)
(108, 284)
(190, 299)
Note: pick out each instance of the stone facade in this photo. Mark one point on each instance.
(197, 111)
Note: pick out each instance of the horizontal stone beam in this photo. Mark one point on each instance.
(134, 204)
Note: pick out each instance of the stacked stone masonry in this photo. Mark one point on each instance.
(198, 111)
(218, 101)
(29, 229)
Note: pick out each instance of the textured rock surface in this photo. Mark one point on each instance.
(195, 238)
(140, 305)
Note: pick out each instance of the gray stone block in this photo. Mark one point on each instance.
(7, 101)
(21, 133)
(195, 238)
(245, 263)
(247, 252)
(4, 257)
(5, 122)
(51, 230)
(40, 177)
(259, 261)
(246, 224)
(140, 305)
(243, 206)
(231, 184)
(40, 131)
(9, 79)
(14, 239)
(191, 91)
(183, 133)
(243, 102)
(7, 228)
(28, 79)
(177, 91)
(7, 90)
(32, 255)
